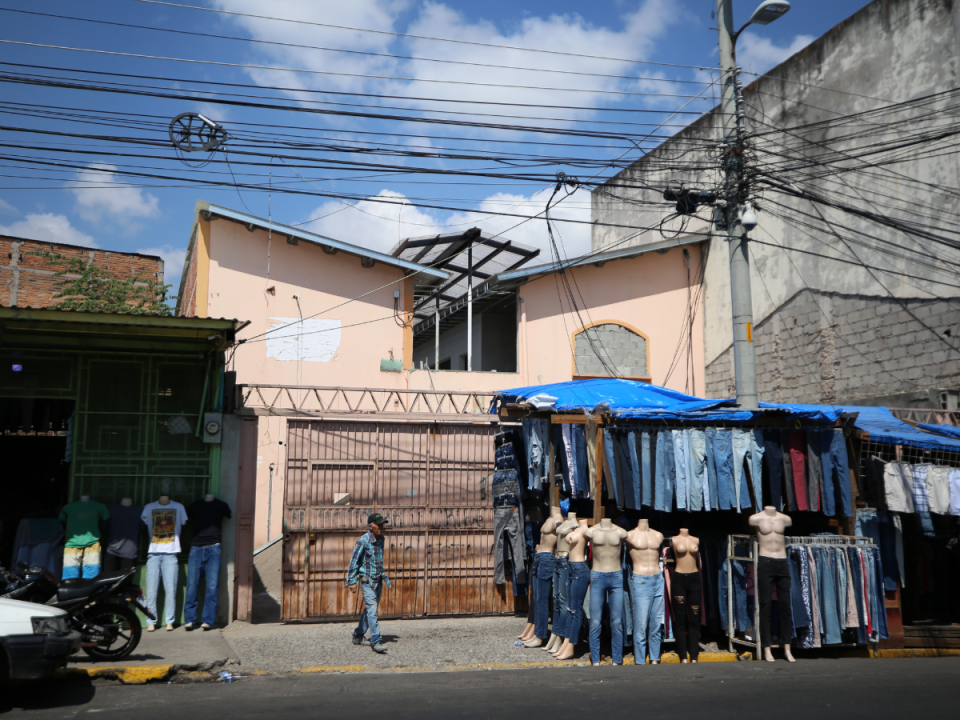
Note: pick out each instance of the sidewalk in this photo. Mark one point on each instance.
(159, 655)
(434, 644)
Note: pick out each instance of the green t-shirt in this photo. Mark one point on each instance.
(83, 522)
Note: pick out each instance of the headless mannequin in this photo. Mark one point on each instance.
(644, 545)
(548, 543)
(561, 550)
(573, 534)
(771, 526)
(605, 539)
(686, 550)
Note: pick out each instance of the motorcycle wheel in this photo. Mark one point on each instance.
(127, 638)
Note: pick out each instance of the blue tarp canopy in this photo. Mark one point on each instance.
(613, 394)
(949, 430)
(632, 400)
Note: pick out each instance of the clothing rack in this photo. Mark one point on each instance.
(829, 540)
(732, 542)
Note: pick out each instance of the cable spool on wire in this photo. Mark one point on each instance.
(192, 132)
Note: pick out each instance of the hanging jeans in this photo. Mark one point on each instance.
(726, 477)
(696, 470)
(576, 591)
(535, 441)
(371, 607)
(606, 589)
(162, 565)
(506, 525)
(681, 462)
(742, 440)
(665, 471)
(815, 494)
(798, 453)
(773, 458)
(827, 596)
(789, 494)
(686, 595)
(561, 578)
(756, 468)
(774, 572)
(580, 460)
(710, 437)
(610, 468)
(647, 616)
(648, 441)
(204, 560)
(545, 565)
(836, 473)
(634, 495)
(799, 614)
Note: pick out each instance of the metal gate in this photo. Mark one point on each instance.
(431, 480)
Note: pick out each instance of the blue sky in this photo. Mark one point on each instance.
(86, 200)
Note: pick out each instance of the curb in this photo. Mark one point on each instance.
(143, 674)
(665, 659)
(891, 653)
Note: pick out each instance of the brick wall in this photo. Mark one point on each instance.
(827, 347)
(187, 304)
(27, 281)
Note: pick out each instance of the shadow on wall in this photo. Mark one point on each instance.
(268, 584)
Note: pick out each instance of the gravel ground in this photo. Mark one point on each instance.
(434, 643)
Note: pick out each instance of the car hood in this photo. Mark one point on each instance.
(10, 609)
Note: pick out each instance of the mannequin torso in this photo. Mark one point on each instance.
(771, 526)
(577, 539)
(686, 549)
(644, 545)
(548, 533)
(564, 529)
(606, 539)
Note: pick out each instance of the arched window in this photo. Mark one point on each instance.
(610, 348)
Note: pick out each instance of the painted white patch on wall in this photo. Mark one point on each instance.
(312, 340)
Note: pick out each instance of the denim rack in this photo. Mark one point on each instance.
(734, 541)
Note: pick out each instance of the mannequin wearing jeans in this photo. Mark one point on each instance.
(561, 578)
(606, 582)
(686, 595)
(579, 581)
(647, 579)
(546, 563)
(773, 569)
(164, 519)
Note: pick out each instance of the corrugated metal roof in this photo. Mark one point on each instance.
(425, 274)
(48, 314)
(524, 274)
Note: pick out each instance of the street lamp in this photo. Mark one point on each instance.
(765, 14)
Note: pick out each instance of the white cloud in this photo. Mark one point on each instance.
(120, 205)
(758, 54)
(48, 227)
(173, 259)
(375, 225)
(7, 208)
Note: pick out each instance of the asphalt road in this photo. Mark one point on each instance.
(816, 689)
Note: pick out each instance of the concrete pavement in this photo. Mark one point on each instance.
(846, 688)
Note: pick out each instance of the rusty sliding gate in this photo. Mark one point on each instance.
(430, 479)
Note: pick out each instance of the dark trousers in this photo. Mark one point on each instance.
(113, 563)
(774, 573)
(686, 595)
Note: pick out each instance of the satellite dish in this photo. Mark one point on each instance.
(192, 132)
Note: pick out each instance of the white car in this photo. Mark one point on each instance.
(34, 640)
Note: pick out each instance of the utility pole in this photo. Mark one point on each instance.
(734, 194)
(470, 306)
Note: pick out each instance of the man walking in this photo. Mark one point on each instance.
(366, 565)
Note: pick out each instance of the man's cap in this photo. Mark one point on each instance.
(376, 518)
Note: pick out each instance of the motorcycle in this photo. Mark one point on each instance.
(99, 609)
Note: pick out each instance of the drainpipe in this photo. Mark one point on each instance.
(436, 336)
(273, 466)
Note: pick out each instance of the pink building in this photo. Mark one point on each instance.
(360, 402)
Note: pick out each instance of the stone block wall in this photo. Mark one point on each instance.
(620, 347)
(828, 347)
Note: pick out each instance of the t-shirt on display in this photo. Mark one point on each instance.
(207, 517)
(83, 522)
(164, 523)
(124, 530)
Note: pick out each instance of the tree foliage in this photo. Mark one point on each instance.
(91, 288)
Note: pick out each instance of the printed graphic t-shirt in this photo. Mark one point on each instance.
(164, 523)
(83, 522)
